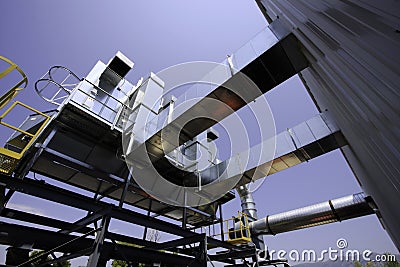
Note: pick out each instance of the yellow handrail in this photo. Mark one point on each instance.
(19, 86)
(9, 158)
(238, 230)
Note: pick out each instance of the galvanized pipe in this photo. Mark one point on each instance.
(339, 209)
(249, 208)
(247, 202)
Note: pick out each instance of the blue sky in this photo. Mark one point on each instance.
(158, 34)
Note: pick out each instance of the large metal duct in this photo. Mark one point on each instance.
(249, 208)
(275, 59)
(336, 210)
(295, 145)
(247, 201)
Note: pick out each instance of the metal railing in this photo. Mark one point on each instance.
(10, 155)
(91, 97)
(9, 158)
(54, 90)
(19, 86)
(236, 230)
(109, 108)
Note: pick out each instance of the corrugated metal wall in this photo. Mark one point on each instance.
(354, 50)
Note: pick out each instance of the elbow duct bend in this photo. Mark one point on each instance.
(336, 210)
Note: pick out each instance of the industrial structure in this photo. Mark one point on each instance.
(353, 51)
(129, 142)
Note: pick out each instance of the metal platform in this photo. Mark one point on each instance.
(82, 151)
(78, 245)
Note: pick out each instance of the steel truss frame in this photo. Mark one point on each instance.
(76, 239)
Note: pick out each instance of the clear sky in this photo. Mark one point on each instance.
(158, 34)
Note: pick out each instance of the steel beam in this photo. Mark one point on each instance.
(98, 243)
(40, 220)
(125, 190)
(2, 197)
(93, 217)
(203, 257)
(47, 240)
(234, 254)
(179, 242)
(148, 215)
(33, 156)
(68, 227)
(80, 166)
(57, 248)
(62, 196)
(66, 257)
(221, 222)
(107, 192)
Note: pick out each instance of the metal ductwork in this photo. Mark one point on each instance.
(252, 73)
(249, 208)
(336, 210)
(247, 201)
(295, 145)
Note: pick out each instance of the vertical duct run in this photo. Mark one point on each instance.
(249, 208)
(336, 210)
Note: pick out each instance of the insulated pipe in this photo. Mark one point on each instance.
(336, 210)
(249, 208)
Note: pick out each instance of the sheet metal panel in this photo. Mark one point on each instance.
(353, 47)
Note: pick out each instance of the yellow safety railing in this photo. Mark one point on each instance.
(238, 230)
(19, 86)
(9, 158)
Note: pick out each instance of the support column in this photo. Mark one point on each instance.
(184, 217)
(184, 212)
(2, 197)
(124, 191)
(203, 258)
(94, 258)
(16, 255)
(148, 215)
(5, 197)
(221, 222)
(28, 166)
